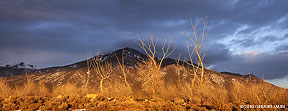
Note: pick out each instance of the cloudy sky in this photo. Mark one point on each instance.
(245, 36)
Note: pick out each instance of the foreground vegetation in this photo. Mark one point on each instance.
(116, 95)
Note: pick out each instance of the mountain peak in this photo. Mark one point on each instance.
(128, 48)
(23, 65)
(130, 56)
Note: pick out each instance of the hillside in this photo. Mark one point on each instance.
(63, 74)
(178, 83)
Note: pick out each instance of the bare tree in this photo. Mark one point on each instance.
(123, 68)
(152, 72)
(100, 68)
(196, 44)
(179, 69)
(88, 72)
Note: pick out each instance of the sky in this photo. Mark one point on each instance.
(245, 36)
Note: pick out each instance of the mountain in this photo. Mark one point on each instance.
(131, 58)
(77, 72)
(17, 69)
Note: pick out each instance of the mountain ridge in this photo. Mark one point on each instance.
(78, 71)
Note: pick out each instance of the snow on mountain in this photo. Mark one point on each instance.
(18, 65)
(11, 69)
(130, 56)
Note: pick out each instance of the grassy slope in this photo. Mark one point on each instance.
(219, 91)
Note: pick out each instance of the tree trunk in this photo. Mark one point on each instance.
(125, 80)
(153, 89)
(101, 85)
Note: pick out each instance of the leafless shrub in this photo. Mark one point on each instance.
(102, 69)
(5, 90)
(150, 72)
(195, 44)
(123, 69)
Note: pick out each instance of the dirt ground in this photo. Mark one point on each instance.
(95, 102)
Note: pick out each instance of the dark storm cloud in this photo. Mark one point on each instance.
(271, 38)
(216, 53)
(270, 65)
(258, 13)
(247, 42)
(253, 41)
(282, 48)
(64, 31)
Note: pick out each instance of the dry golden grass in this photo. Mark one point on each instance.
(29, 88)
(208, 95)
(258, 94)
(5, 90)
